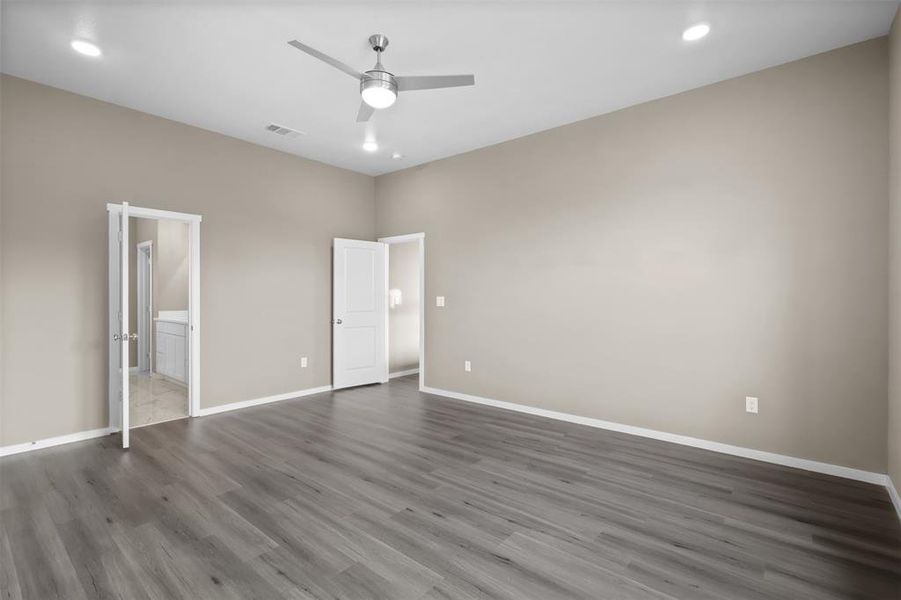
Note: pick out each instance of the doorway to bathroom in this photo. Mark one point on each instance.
(154, 317)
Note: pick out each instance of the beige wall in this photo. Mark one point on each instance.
(656, 265)
(894, 422)
(651, 266)
(171, 278)
(268, 222)
(403, 320)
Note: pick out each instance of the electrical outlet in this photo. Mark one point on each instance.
(467, 366)
(303, 362)
(439, 300)
(751, 404)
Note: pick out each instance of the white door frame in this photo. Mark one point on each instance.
(400, 239)
(145, 306)
(193, 222)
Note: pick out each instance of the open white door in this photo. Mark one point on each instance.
(118, 321)
(359, 313)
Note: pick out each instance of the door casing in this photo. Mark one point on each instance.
(194, 321)
(400, 239)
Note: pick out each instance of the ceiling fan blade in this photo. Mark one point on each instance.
(431, 82)
(364, 113)
(326, 59)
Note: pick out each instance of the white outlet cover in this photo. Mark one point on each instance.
(751, 404)
(303, 362)
(467, 366)
(439, 300)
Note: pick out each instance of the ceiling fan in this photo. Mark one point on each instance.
(378, 87)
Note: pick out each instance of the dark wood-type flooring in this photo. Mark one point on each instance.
(383, 492)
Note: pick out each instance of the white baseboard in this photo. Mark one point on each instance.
(212, 410)
(770, 457)
(403, 373)
(54, 441)
(893, 494)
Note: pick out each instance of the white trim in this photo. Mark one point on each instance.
(153, 213)
(54, 441)
(412, 237)
(194, 320)
(400, 239)
(893, 494)
(770, 457)
(212, 410)
(114, 385)
(124, 307)
(193, 293)
(403, 373)
(779, 459)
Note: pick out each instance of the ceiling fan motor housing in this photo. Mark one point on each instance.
(378, 41)
(378, 79)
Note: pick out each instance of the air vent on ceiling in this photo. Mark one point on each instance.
(283, 131)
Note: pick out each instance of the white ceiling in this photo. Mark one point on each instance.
(226, 66)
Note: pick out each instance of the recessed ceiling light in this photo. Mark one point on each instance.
(696, 32)
(397, 155)
(370, 146)
(86, 48)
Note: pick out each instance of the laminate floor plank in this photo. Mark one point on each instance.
(383, 492)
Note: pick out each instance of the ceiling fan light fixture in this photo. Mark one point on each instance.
(379, 91)
(378, 87)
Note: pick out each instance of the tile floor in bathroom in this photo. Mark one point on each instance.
(154, 399)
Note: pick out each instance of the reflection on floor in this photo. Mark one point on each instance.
(154, 399)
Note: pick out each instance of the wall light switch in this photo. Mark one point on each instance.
(467, 366)
(751, 404)
(303, 362)
(439, 300)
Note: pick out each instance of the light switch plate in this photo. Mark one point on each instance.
(439, 300)
(467, 366)
(751, 404)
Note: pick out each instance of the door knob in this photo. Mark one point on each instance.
(133, 337)
(116, 337)
(338, 322)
